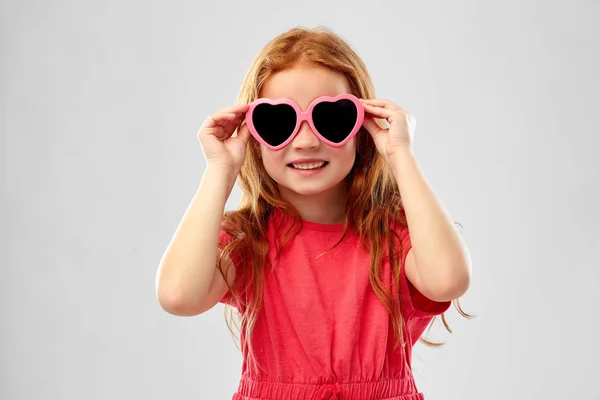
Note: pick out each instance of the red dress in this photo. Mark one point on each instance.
(323, 333)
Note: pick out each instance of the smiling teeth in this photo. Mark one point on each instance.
(309, 165)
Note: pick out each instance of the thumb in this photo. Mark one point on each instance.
(243, 133)
(373, 128)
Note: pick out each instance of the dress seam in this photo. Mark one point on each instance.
(327, 383)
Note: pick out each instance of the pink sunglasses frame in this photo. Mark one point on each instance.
(302, 116)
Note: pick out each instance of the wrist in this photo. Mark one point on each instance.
(222, 172)
(401, 158)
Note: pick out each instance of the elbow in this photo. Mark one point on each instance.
(452, 287)
(458, 289)
(165, 295)
(176, 305)
(174, 298)
(167, 300)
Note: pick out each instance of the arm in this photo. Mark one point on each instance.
(438, 264)
(187, 281)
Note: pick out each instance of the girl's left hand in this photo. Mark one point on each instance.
(395, 139)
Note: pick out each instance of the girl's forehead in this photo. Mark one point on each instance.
(303, 85)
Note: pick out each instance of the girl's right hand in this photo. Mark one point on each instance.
(220, 148)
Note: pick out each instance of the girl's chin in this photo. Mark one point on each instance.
(305, 189)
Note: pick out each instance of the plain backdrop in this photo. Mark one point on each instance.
(100, 103)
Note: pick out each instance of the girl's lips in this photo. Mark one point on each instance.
(306, 160)
(309, 172)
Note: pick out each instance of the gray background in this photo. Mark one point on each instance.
(100, 105)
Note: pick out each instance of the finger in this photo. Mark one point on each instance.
(233, 123)
(371, 126)
(219, 123)
(219, 132)
(222, 129)
(376, 131)
(381, 103)
(220, 119)
(378, 111)
(237, 109)
(244, 133)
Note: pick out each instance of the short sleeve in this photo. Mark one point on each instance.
(225, 238)
(414, 303)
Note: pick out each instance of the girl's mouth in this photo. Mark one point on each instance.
(309, 169)
(308, 166)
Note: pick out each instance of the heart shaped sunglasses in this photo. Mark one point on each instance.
(275, 123)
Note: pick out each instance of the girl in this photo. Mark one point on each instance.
(339, 254)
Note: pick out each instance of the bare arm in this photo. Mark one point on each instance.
(440, 265)
(188, 282)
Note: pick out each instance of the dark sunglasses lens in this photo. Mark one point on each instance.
(335, 120)
(274, 123)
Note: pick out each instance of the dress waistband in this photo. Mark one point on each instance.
(388, 389)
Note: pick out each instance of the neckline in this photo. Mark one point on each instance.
(317, 226)
(310, 225)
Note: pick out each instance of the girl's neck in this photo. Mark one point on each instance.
(323, 208)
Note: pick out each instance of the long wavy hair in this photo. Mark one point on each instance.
(373, 204)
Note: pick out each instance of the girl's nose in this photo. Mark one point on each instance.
(306, 138)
